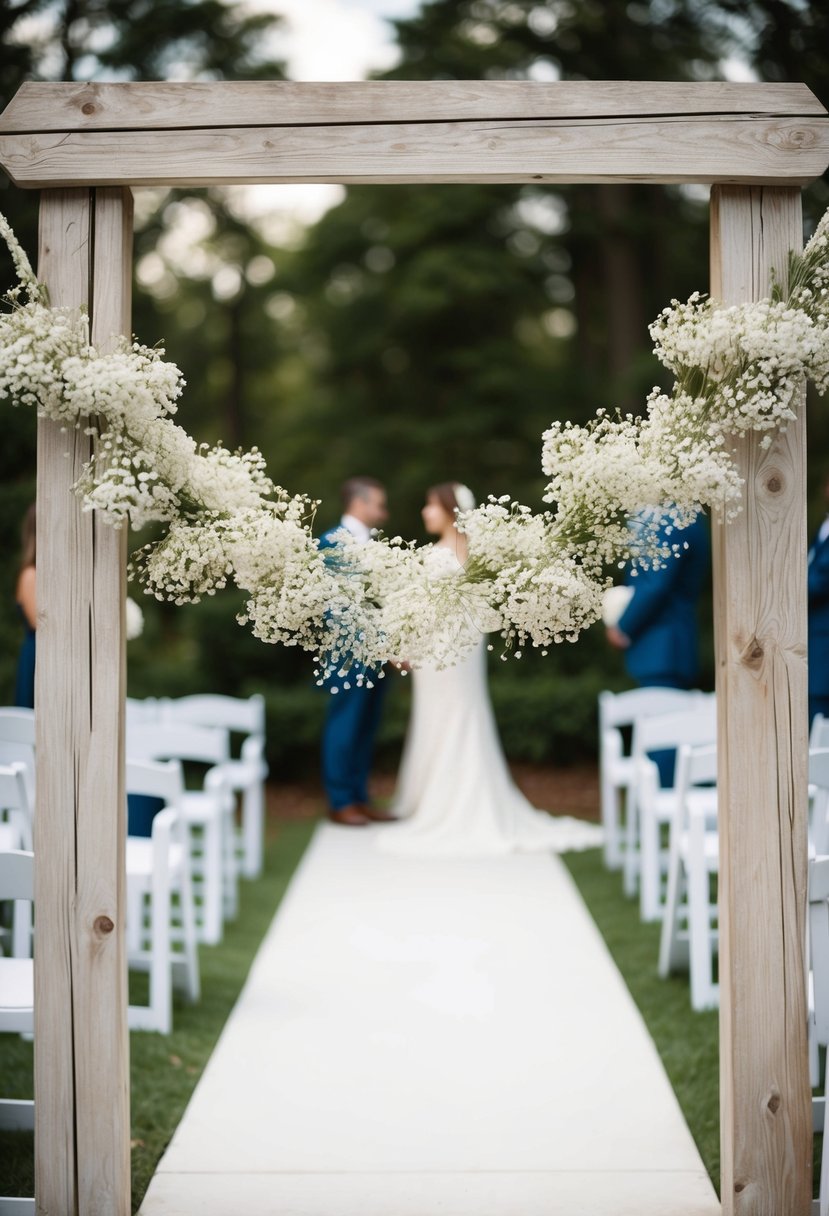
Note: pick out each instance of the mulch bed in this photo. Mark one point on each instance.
(564, 791)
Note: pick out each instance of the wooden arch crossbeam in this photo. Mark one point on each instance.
(201, 134)
(83, 146)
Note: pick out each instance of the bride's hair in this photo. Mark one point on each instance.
(452, 496)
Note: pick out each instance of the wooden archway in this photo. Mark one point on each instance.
(84, 146)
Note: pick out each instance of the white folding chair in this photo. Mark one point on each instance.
(161, 925)
(818, 846)
(17, 1005)
(17, 746)
(651, 806)
(208, 814)
(245, 774)
(689, 937)
(819, 1003)
(618, 710)
(16, 836)
(142, 711)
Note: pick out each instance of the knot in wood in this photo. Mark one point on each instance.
(103, 925)
(753, 653)
(801, 139)
(791, 137)
(773, 1103)
(739, 1186)
(774, 484)
(88, 107)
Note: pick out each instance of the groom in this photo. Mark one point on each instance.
(353, 713)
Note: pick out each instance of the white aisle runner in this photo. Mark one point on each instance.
(432, 1037)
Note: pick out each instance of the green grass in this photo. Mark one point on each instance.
(165, 1069)
(688, 1042)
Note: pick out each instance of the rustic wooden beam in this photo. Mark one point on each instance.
(158, 105)
(82, 1165)
(760, 620)
(64, 264)
(658, 149)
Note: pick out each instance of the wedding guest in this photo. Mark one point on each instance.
(818, 600)
(658, 629)
(354, 710)
(24, 688)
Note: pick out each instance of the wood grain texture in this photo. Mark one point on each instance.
(151, 105)
(81, 1048)
(760, 617)
(101, 1035)
(61, 653)
(741, 150)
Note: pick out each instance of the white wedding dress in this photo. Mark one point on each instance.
(455, 796)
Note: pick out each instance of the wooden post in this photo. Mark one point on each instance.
(82, 1156)
(760, 618)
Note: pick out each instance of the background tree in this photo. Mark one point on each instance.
(418, 333)
(147, 40)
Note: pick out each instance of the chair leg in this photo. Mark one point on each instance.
(135, 917)
(253, 829)
(210, 920)
(161, 962)
(703, 991)
(823, 1200)
(22, 929)
(190, 949)
(814, 1056)
(670, 946)
(230, 865)
(650, 865)
(632, 860)
(610, 820)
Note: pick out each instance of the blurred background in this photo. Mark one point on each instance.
(417, 334)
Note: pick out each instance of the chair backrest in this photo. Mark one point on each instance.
(244, 715)
(695, 766)
(139, 711)
(17, 726)
(624, 708)
(695, 726)
(700, 763)
(177, 741)
(156, 779)
(17, 875)
(13, 792)
(819, 779)
(819, 767)
(20, 753)
(819, 732)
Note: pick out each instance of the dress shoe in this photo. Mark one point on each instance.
(350, 816)
(375, 813)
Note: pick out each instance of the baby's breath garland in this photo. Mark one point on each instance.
(536, 578)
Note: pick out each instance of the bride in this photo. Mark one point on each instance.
(455, 796)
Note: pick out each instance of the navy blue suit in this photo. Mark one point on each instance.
(351, 722)
(661, 622)
(661, 618)
(818, 591)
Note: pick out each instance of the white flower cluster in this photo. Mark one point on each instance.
(536, 578)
